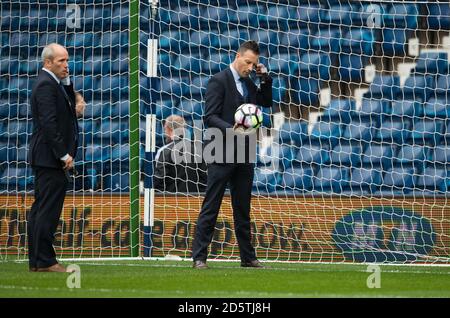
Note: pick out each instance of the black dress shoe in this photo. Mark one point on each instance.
(254, 263)
(200, 265)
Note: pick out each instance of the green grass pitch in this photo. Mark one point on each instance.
(176, 279)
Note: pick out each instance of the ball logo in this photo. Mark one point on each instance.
(383, 234)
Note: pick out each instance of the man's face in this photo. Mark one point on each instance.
(245, 62)
(60, 63)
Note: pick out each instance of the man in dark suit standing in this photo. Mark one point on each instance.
(225, 92)
(53, 146)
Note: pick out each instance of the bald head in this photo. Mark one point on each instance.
(55, 58)
(174, 126)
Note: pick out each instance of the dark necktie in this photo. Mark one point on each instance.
(244, 88)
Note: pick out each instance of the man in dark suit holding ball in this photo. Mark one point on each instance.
(225, 92)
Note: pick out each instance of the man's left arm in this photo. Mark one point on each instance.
(264, 94)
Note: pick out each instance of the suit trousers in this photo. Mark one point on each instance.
(240, 179)
(50, 187)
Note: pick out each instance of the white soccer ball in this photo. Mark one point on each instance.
(249, 116)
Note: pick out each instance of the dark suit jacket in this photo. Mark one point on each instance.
(181, 176)
(222, 99)
(55, 126)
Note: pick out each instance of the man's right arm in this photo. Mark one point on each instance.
(46, 113)
(214, 100)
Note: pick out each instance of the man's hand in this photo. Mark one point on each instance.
(68, 163)
(79, 108)
(241, 130)
(261, 70)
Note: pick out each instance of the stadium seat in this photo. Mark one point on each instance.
(120, 110)
(97, 153)
(18, 130)
(431, 63)
(358, 131)
(307, 15)
(441, 155)
(326, 40)
(226, 41)
(265, 180)
(315, 65)
(310, 154)
(119, 17)
(287, 154)
(174, 41)
(328, 179)
(433, 179)
(438, 16)
(283, 64)
(427, 131)
(339, 110)
(279, 88)
(364, 180)
(305, 90)
(371, 109)
(20, 86)
(114, 131)
(296, 40)
(190, 109)
(351, 67)
(164, 108)
(378, 155)
(120, 154)
(358, 41)
(384, 86)
(116, 182)
(409, 154)
(416, 87)
(345, 154)
(9, 66)
(186, 64)
(434, 108)
(339, 14)
(174, 87)
(211, 15)
(402, 16)
(16, 179)
(442, 87)
(97, 109)
(326, 131)
(6, 154)
(215, 63)
(268, 40)
(408, 109)
(198, 87)
(250, 15)
(396, 130)
(87, 130)
(399, 179)
(395, 41)
(277, 17)
(296, 179)
(293, 132)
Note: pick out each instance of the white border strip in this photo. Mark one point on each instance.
(148, 132)
(102, 259)
(152, 57)
(146, 206)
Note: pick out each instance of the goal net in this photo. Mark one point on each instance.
(351, 161)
